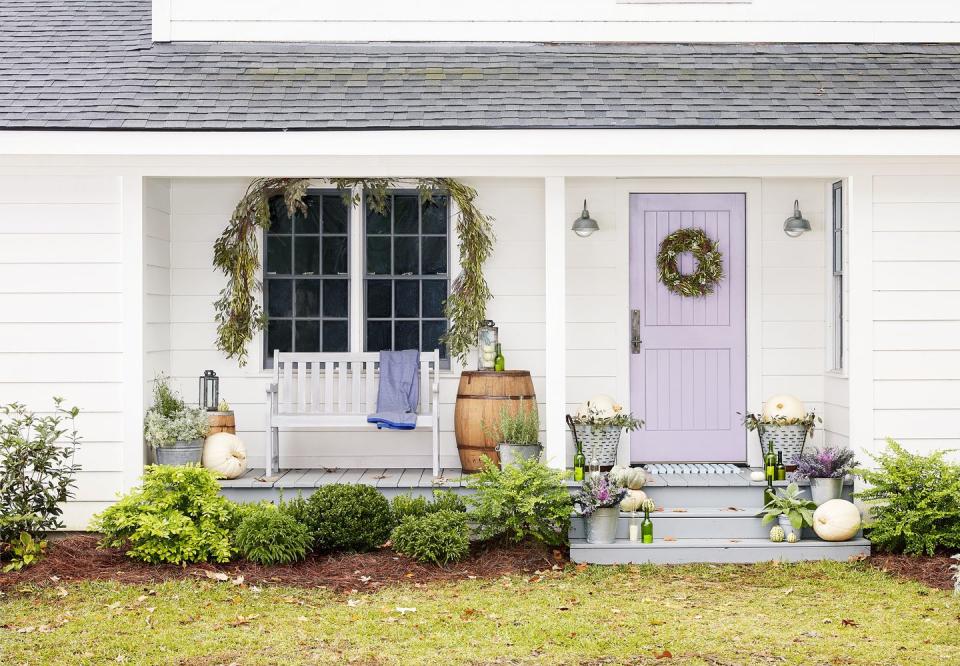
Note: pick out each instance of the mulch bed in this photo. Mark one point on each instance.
(931, 571)
(77, 558)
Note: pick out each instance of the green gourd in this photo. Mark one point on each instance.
(792, 537)
(776, 534)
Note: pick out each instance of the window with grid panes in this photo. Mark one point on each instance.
(406, 273)
(306, 280)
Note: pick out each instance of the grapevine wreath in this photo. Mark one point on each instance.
(709, 269)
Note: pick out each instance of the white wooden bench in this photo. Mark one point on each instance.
(336, 391)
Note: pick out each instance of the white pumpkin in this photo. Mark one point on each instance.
(783, 406)
(836, 520)
(601, 405)
(757, 475)
(633, 478)
(225, 454)
(633, 501)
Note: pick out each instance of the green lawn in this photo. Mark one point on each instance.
(819, 613)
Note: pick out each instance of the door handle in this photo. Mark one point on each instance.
(635, 341)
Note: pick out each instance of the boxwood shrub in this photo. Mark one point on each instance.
(349, 517)
(440, 537)
(268, 535)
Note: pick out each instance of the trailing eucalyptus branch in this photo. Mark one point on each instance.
(236, 253)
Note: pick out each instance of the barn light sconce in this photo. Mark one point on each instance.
(585, 225)
(796, 225)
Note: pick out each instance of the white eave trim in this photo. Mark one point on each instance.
(487, 143)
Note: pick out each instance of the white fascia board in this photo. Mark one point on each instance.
(489, 143)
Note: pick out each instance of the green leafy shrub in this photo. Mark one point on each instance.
(25, 551)
(297, 508)
(443, 500)
(524, 500)
(349, 517)
(440, 537)
(36, 468)
(177, 516)
(268, 535)
(914, 501)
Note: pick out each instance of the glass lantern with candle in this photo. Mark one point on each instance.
(487, 340)
(209, 391)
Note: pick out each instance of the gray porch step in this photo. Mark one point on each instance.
(720, 496)
(718, 551)
(692, 523)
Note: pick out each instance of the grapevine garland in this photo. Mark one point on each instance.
(236, 253)
(709, 269)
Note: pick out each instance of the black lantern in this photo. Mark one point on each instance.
(209, 391)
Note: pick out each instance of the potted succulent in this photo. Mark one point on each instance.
(174, 431)
(598, 501)
(825, 468)
(518, 434)
(791, 511)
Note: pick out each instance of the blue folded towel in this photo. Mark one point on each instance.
(399, 391)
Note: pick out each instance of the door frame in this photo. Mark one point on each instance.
(753, 191)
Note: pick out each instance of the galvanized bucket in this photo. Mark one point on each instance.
(512, 453)
(602, 525)
(179, 453)
(787, 527)
(824, 490)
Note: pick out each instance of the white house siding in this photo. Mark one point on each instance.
(62, 316)
(916, 259)
(560, 20)
(156, 280)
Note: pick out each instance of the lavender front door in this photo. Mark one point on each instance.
(688, 355)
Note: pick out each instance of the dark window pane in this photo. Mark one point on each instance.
(406, 298)
(378, 223)
(405, 255)
(378, 335)
(406, 215)
(279, 222)
(379, 300)
(334, 255)
(406, 335)
(335, 298)
(432, 330)
(334, 214)
(334, 336)
(434, 295)
(308, 336)
(306, 255)
(378, 255)
(280, 298)
(309, 223)
(307, 293)
(279, 334)
(278, 255)
(434, 255)
(435, 216)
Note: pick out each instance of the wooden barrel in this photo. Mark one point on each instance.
(222, 422)
(480, 398)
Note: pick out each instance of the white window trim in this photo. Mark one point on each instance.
(831, 297)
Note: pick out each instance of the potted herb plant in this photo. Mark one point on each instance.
(174, 431)
(518, 434)
(791, 511)
(825, 468)
(598, 501)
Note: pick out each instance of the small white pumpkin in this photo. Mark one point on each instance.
(633, 478)
(776, 534)
(836, 520)
(601, 405)
(225, 454)
(757, 475)
(633, 501)
(792, 537)
(783, 406)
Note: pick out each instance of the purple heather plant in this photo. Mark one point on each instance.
(830, 462)
(599, 491)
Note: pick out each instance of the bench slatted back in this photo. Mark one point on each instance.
(340, 383)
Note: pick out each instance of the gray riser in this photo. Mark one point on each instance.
(692, 525)
(673, 497)
(718, 551)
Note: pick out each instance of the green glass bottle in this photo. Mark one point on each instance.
(770, 463)
(781, 474)
(646, 527)
(579, 463)
(499, 363)
(769, 493)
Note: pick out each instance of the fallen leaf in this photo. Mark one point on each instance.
(366, 579)
(353, 603)
(666, 654)
(62, 592)
(237, 581)
(849, 623)
(859, 557)
(581, 567)
(404, 611)
(563, 608)
(679, 511)
(216, 575)
(732, 508)
(669, 538)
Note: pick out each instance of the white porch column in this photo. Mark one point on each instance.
(134, 453)
(555, 321)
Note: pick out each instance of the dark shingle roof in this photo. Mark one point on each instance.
(90, 64)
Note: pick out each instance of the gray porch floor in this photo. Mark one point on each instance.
(414, 477)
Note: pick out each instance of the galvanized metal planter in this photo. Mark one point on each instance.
(602, 525)
(788, 529)
(513, 453)
(179, 453)
(824, 490)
